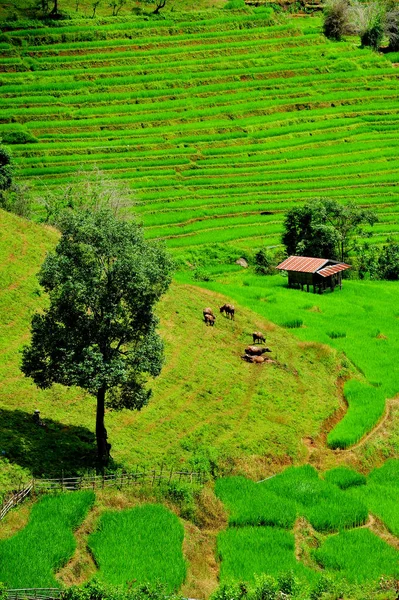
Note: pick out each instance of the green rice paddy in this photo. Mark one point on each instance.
(337, 507)
(143, 544)
(359, 556)
(246, 552)
(32, 557)
(295, 492)
(219, 123)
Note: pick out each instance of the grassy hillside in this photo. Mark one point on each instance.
(361, 320)
(218, 121)
(208, 404)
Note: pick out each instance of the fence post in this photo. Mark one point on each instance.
(170, 475)
(160, 474)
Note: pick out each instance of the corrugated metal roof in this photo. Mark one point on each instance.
(304, 264)
(331, 269)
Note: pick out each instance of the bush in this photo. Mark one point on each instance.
(372, 37)
(336, 19)
(368, 22)
(392, 29)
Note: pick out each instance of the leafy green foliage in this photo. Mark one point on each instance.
(99, 332)
(97, 590)
(324, 228)
(31, 557)
(143, 544)
(336, 19)
(6, 173)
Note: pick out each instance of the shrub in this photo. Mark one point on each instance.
(18, 137)
(292, 324)
(336, 19)
(368, 20)
(392, 29)
(334, 335)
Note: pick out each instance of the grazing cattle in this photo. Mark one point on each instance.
(256, 350)
(257, 336)
(228, 309)
(209, 319)
(207, 311)
(257, 359)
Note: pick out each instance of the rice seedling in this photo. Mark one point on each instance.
(32, 557)
(143, 544)
(249, 551)
(324, 505)
(358, 556)
(344, 477)
(251, 504)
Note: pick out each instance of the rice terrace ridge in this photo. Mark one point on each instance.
(178, 417)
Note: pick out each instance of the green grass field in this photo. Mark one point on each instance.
(32, 557)
(143, 545)
(218, 122)
(364, 314)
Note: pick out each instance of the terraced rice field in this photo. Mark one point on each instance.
(343, 539)
(142, 544)
(33, 556)
(218, 123)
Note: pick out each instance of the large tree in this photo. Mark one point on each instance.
(325, 228)
(99, 331)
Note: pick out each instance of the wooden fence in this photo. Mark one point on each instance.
(97, 482)
(15, 500)
(35, 593)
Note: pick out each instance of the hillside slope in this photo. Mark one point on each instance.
(208, 404)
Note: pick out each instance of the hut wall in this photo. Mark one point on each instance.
(298, 277)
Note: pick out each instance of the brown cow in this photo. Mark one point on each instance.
(256, 350)
(257, 359)
(208, 311)
(228, 309)
(209, 319)
(257, 336)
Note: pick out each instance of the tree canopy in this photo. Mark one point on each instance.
(99, 331)
(6, 169)
(325, 228)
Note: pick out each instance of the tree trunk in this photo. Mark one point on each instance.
(160, 4)
(103, 447)
(54, 12)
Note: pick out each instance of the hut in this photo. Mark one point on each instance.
(322, 273)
